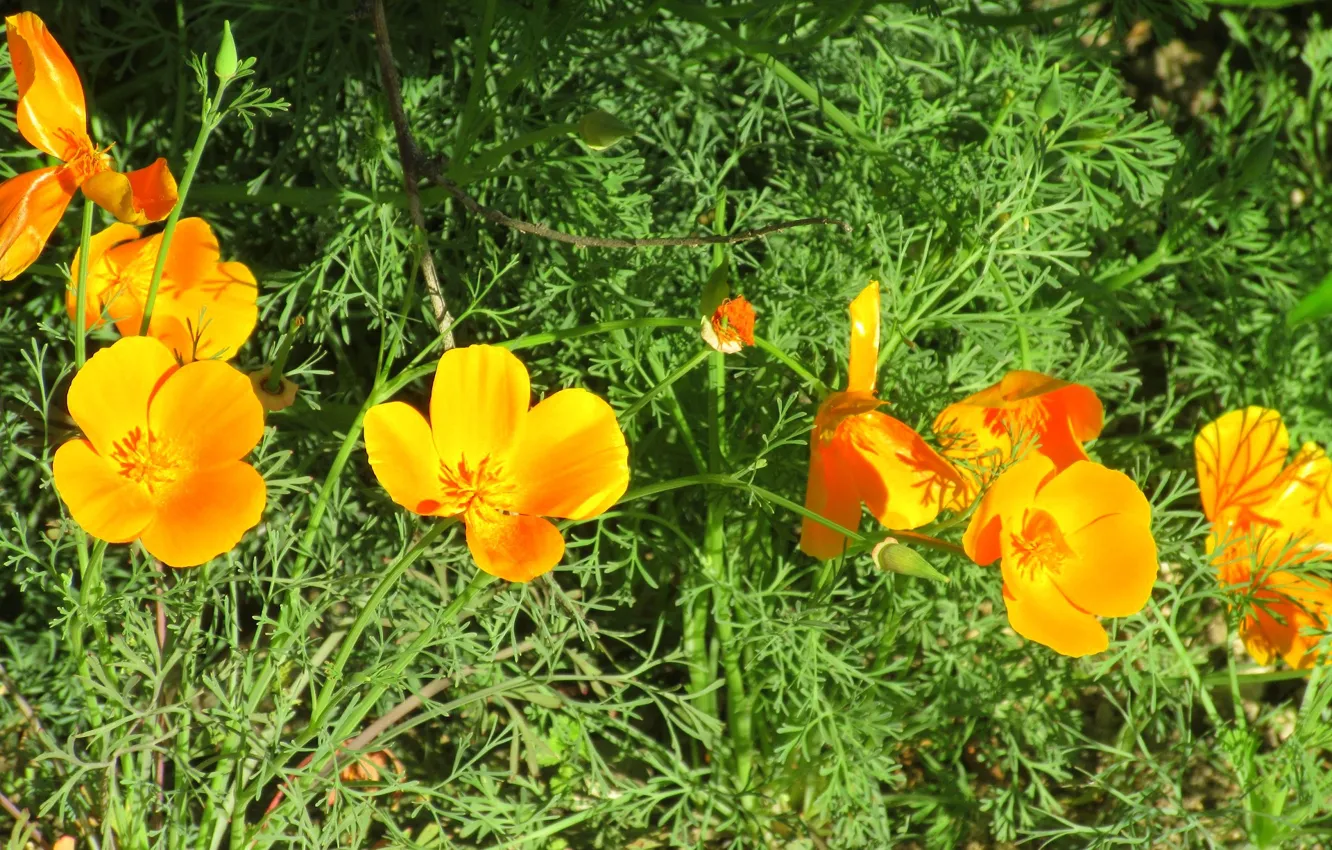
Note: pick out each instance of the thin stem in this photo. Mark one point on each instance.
(663, 385)
(81, 288)
(210, 121)
(791, 363)
(1140, 269)
(274, 382)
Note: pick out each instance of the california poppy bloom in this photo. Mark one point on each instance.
(988, 429)
(52, 117)
(1268, 517)
(160, 459)
(859, 454)
(1074, 544)
(204, 308)
(485, 457)
(730, 327)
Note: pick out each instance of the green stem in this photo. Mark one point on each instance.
(368, 613)
(81, 288)
(1140, 269)
(1024, 347)
(210, 121)
(274, 382)
(664, 385)
(791, 363)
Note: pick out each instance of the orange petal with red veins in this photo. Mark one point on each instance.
(903, 481)
(207, 412)
(31, 205)
(864, 365)
(570, 461)
(205, 514)
(109, 396)
(154, 190)
(50, 111)
(512, 547)
(1240, 457)
(402, 455)
(102, 275)
(478, 404)
(1004, 504)
(1290, 615)
(103, 502)
(831, 493)
(1039, 612)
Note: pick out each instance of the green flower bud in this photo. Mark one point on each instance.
(1048, 102)
(599, 129)
(896, 558)
(225, 64)
(1256, 162)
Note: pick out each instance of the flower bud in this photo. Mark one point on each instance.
(599, 129)
(1048, 102)
(225, 64)
(896, 558)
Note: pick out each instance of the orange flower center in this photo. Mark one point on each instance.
(733, 322)
(82, 157)
(1040, 549)
(146, 460)
(466, 483)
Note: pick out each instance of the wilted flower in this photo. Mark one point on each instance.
(281, 399)
(858, 454)
(160, 458)
(986, 430)
(368, 767)
(52, 117)
(204, 308)
(485, 457)
(1074, 544)
(731, 327)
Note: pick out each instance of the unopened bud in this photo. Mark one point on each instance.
(1049, 101)
(896, 558)
(599, 129)
(225, 64)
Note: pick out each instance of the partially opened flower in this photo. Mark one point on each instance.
(52, 117)
(160, 459)
(485, 457)
(1024, 411)
(1268, 519)
(730, 327)
(204, 308)
(1074, 545)
(858, 454)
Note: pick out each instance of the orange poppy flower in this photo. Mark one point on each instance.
(485, 457)
(988, 429)
(1267, 517)
(52, 117)
(858, 454)
(730, 327)
(1074, 544)
(204, 308)
(160, 459)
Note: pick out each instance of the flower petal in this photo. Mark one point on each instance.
(109, 396)
(478, 403)
(864, 363)
(1301, 498)
(207, 412)
(50, 111)
(903, 481)
(1039, 612)
(830, 493)
(205, 514)
(1081, 494)
(103, 502)
(402, 454)
(31, 205)
(570, 460)
(1239, 457)
(1290, 615)
(1114, 568)
(512, 547)
(1003, 504)
(102, 274)
(154, 190)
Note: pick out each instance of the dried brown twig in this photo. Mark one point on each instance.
(415, 163)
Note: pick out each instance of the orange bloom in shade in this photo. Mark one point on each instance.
(1074, 544)
(1268, 517)
(988, 429)
(858, 454)
(731, 326)
(160, 459)
(52, 117)
(500, 467)
(204, 308)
